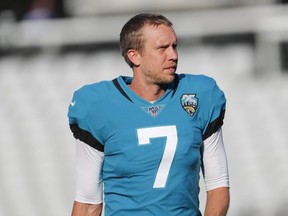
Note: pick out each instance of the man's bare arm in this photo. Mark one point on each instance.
(84, 209)
(217, 202)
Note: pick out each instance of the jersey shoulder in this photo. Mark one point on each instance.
(93, 92)
(199, 82)
(208, 99)
(84, 97)
(202, 85)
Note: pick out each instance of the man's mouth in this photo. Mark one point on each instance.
(171, 68)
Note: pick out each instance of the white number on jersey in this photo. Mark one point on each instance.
(144, 135)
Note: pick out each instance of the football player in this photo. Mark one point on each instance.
(141, 141)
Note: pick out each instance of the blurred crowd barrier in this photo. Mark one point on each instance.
(267, 26)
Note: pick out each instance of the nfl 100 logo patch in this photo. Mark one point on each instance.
(189, 103)
(153, 110)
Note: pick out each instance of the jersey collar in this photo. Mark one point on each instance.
(122, 82)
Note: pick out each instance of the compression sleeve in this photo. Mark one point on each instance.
(215, 167)
(89, 185)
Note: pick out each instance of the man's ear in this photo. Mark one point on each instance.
(133, 56)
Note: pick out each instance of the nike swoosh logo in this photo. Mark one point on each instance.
(73, 103)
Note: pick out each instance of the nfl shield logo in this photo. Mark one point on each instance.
(189, 102)
(153, 110)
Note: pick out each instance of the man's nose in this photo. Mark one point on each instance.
(173, 53)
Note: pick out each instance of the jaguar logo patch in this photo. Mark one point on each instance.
(189, 103)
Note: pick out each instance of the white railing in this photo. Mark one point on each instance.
(268, 23)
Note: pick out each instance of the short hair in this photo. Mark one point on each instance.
(131, 36)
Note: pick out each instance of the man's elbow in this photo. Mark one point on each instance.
(218, 201)
(85, 209)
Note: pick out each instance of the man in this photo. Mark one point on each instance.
(146, 137)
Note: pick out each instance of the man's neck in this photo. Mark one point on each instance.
(147, 92)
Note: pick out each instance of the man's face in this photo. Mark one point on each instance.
(158, 59)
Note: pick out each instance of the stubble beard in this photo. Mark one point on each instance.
(160, 79)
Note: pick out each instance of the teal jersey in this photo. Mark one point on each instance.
(152, 152)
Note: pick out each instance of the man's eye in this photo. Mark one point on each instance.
(163, 47)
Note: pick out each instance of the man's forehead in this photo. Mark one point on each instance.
(159, 33)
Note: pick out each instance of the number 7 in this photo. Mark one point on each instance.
(144, 136)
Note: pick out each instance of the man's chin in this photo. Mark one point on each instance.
(168, 80)
(171, 78)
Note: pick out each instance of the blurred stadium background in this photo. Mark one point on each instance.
(50, 48)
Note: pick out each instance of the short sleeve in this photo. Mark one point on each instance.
(77, 108)
(80, 121)
(216, 112)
